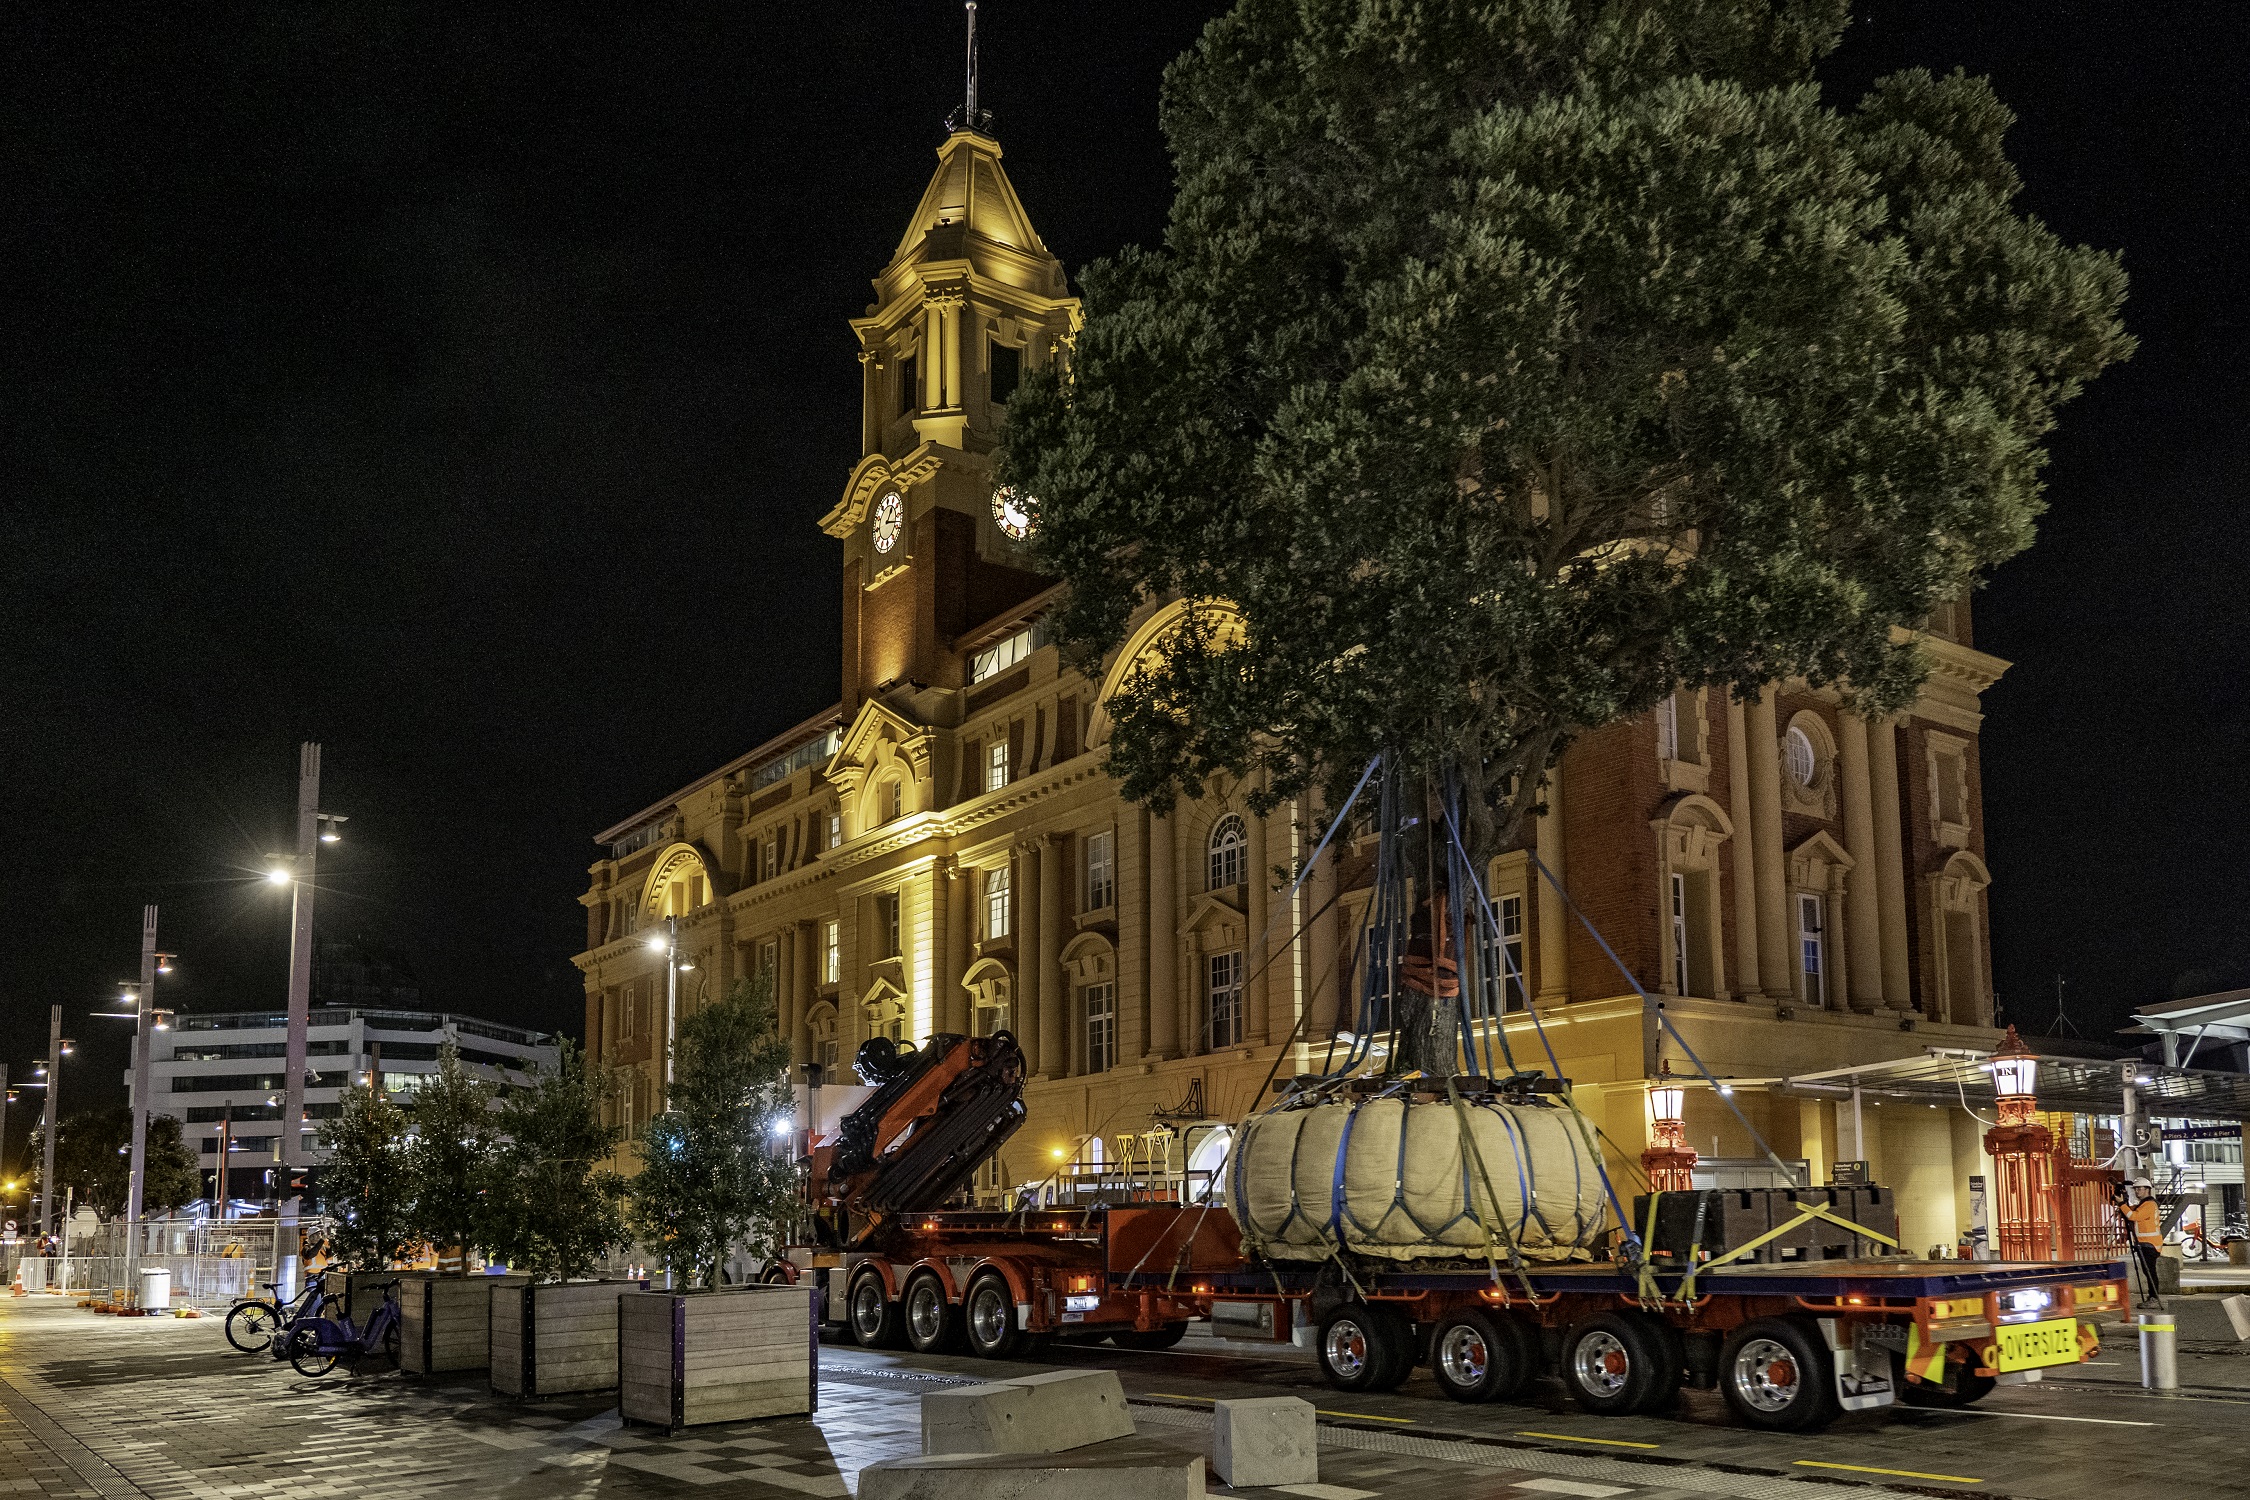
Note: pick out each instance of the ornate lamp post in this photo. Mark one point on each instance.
(2023, 1158)
(1670, 1163)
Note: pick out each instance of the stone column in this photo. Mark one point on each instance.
(1131, 848)
(1554, 917)
(961, 899)
(1762, 748)
(1740, 860)
(1257, 975)
(803, 973)
(1163, 939)
(1889, 872)
(1187, 991)
(1842, 993)
(933, 357)
(1030, 993)
(1862, 918)
(953, 337)
(1323, 992)
(1054, 994)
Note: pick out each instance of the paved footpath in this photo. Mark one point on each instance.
(162, 1409)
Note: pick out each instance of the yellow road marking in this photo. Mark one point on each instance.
(1814, 1463)
(1564, 1437)
(1357, 1416)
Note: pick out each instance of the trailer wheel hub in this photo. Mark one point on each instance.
(1603, 1365)
(1766, 1374)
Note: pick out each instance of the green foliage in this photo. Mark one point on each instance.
(93, 1162)
(450, 1151)
(711, 1180)
(1508, 364)
(553, 1208)
(367, 1185)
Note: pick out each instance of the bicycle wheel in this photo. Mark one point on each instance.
(251, 1325)
(305, 1355)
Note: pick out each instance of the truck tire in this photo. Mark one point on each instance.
(1152, 1340)
(988, 1318)
(932, 1324)
(1478, 1357)
(1365, 1348)
(1776, 1374)
(874, 1316)
(1615, 1364)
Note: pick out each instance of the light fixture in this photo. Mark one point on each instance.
(329, 835)
(781, 1125)
(68, 1047)
(1665, 1097)
(2015, 1071)
(687, 965)
(657, 944)
(277, 876)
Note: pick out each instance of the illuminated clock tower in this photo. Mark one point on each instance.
(970, 301)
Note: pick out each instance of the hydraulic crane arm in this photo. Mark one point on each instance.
(938, 1113)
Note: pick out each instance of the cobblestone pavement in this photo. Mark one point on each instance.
(162, 1409)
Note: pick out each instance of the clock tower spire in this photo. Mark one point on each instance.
(971, 300)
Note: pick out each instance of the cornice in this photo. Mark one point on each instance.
(870, 476)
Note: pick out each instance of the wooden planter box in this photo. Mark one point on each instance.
(686, 1358)
(550, 1338)
(445, 1320)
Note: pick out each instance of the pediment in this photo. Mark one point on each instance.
(1212, 909)
(870, 477)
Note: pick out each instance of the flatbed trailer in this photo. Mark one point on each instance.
(1790, 1346)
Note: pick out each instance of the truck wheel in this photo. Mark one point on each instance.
(1364, 1348)
(1152, 1340)
(1776, 1375)
(1614, 1364)
(989, 1317)
(875, 1320)
(1968, 1387)
(1477, 1357)
(930, 1323)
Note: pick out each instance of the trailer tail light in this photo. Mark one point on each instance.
(2029, 1299)
(1855, 1300)
(1202, 1288)
(1081, 1283)
(2099, 1296)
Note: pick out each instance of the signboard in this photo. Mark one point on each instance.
(2032, 1346)
(1848, 1174)
(2203, 1132)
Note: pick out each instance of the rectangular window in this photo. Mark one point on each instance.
(831, 962)
(828, 1059)
(835, 829)
(1007, 370)
(1509, 911)
(1679, 935)
(1812, 957)
(1101, 871)
(996, 765)
(1101, 1026)
(995, 659)
(992, 1014)
(996, 903)
(909, 384)
(773, 858)
(886, 924)
(769, 958)
(1225, 993)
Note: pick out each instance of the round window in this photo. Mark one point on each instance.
(1797, 754)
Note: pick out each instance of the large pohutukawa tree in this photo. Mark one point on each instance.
(1508, 364)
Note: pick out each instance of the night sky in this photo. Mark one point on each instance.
(459, 385)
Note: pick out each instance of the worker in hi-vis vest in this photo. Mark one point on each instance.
(2139, 1209)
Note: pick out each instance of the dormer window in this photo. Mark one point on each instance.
(1007, 371)
(909, 384)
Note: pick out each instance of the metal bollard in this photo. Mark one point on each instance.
(2160, 1352)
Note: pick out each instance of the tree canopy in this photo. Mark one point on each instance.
(367, 1184)
(93, 1161)
(1507, 365)
(450, 1152)
(554, 1207)
(712, 1181)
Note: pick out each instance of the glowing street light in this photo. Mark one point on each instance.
(1670, 1162)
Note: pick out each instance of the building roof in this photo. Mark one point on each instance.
(2067, 1082)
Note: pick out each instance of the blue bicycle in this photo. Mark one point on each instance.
(318, 1345)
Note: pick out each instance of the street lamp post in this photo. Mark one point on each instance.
(1670, 1163)
(314, 828)
(2023, 1158)
(668, 943)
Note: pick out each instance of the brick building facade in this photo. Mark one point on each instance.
(1802, 889)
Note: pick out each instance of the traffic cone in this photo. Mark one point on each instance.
(17, 1290)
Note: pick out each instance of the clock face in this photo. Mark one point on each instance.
(890, 519)
(1009, 510)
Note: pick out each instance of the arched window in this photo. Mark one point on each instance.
(1225, 848)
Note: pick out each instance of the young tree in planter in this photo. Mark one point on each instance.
(366, 1186)
(710, 1179)
(450, 1152)
(1508, 365)
(553, 1208)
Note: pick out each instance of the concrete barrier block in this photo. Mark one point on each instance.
(1122, 1469)
(1048, 1413)
(2237, 1310)
(1271, 1440)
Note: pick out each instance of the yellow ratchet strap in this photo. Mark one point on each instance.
(1808, 1213)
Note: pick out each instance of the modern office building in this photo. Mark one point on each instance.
(222, 1076)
